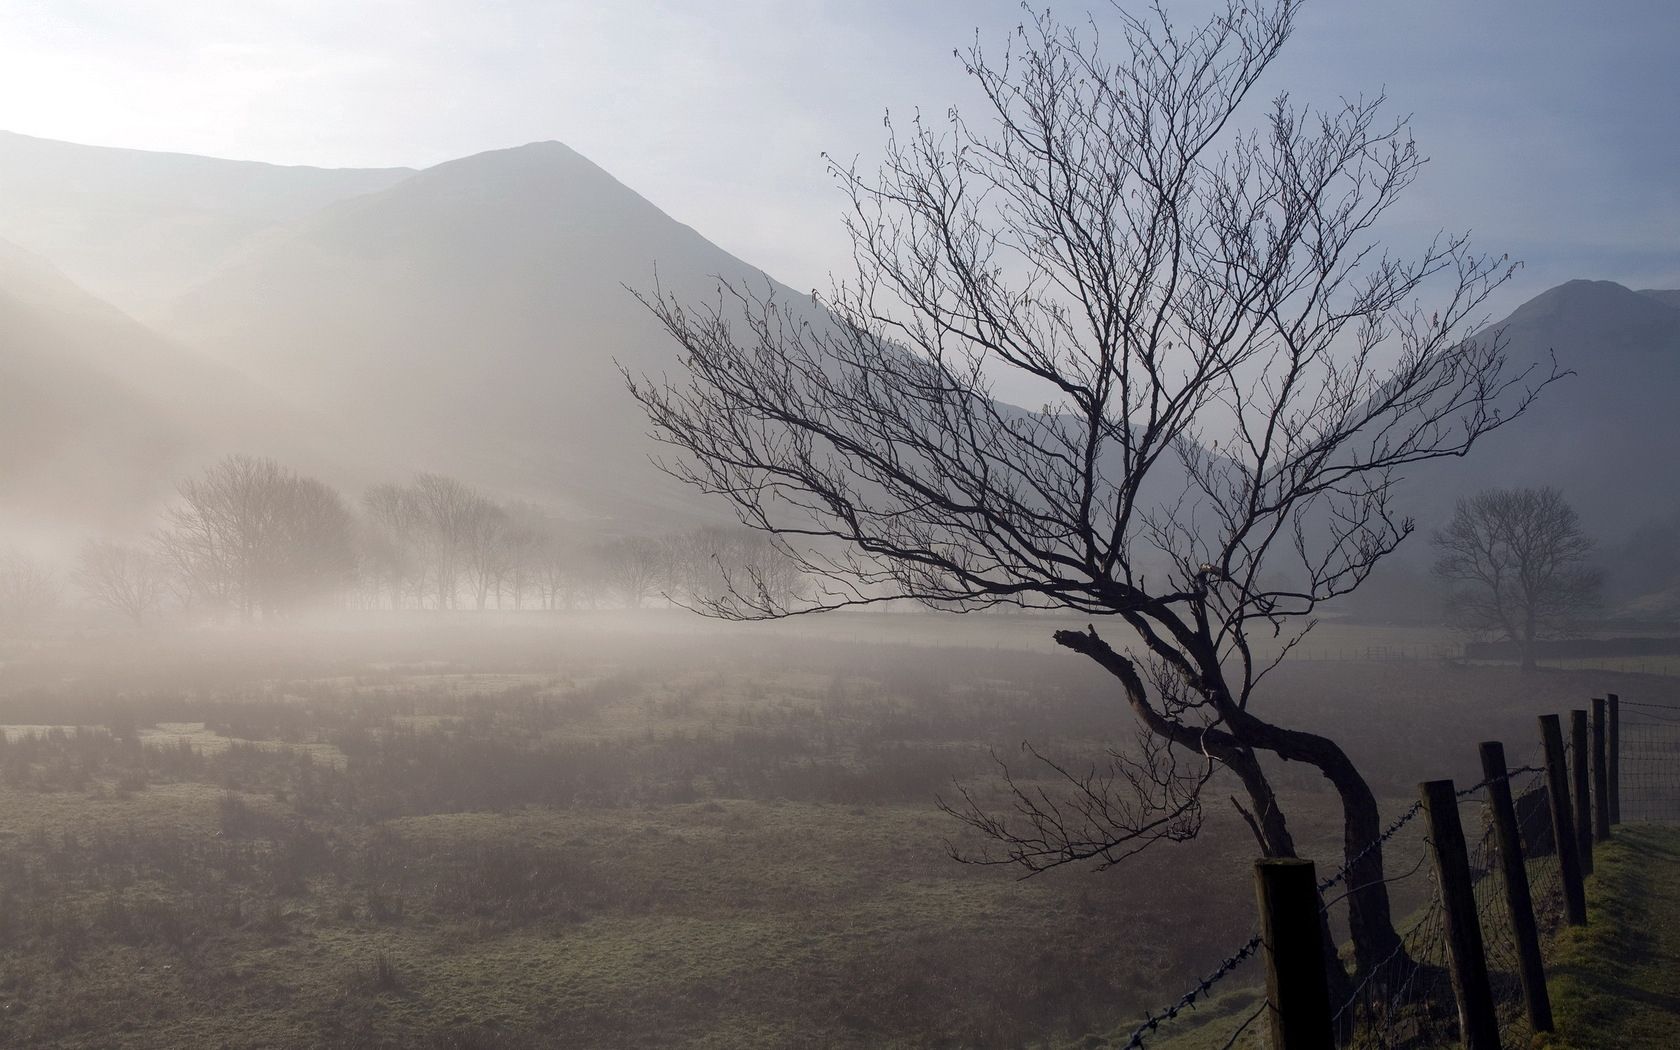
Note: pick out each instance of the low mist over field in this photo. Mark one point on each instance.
(461, 587)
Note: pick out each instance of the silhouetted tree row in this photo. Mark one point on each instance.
(437, 542)
(251, 539)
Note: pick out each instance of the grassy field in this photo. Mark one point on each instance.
(552, 831)
(1613, 982)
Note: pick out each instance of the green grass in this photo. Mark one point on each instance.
(532, 837)
(1614, 982)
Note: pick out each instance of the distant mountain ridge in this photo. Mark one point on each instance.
(134, 226)
(471, 318)
(484, 306)
(1606, 435)
(96, 411)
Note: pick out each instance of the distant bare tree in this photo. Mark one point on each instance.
(447, 512)
(635, 568)
(251, 535)
(566, 575)
(389, 545)
(1516, 563)
(485, 549)
(28, 591)
(708, 565)
(522, 541)
(1234, 374)
(130, 580)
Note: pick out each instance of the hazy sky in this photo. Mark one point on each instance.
(1552, 124)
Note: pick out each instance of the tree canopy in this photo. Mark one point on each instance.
(1233, 372)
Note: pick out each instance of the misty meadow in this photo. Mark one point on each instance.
(447, 600)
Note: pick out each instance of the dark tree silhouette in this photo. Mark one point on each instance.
(1233, 375)
(1516, 563)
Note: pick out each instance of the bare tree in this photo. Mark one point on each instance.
(446, 511)
(389, 547)
(709, 565)
(130, 580)
(522, 541)
(485, 547)
(1516, 563)
(28, 591)
(566, 576)
(635, 568)
(1233, 375)
(254, 536)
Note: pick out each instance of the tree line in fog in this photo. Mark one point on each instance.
(249, 539)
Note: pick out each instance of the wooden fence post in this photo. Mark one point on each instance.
(1563, 826)
(1297, 983)
(1583, 798)
(1478, 1024)
(1600, 775)
(1615, 758)
(1519, 901)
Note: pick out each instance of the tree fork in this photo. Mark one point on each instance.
(1370, 921)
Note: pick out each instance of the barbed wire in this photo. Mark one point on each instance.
(1624, 702)
(1342, 873)
(1153, 1021)
(1406, 996)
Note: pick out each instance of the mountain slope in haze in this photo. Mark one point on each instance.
(1607, 435)
(471, 318)
(79, 438)
(468, 320)
(135, 227)
(1667, 297)
(99, 415)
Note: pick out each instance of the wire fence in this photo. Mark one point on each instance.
(1661, 664)
(1650, 761)
(1407, 1000)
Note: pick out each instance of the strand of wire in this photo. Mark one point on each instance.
(1153, 1021)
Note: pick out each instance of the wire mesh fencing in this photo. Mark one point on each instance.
(1650, 761)
(1407, 999)
(1404, 1000)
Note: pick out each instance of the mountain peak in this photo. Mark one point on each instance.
(547, 164)
(1600, 314)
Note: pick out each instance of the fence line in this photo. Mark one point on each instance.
(1408, 1001)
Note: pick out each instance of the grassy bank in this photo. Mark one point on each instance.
(1613, 982)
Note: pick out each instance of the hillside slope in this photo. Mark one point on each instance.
(136, 227)
(99, 415)
(472, 319)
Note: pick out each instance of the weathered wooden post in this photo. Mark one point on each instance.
(1297, 984)
(1600, 775)
(1478, 1024)
(1615, 759)
(1578, 777)
(1519, 901)
(1563, 826)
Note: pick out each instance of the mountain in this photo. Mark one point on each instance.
(84, 429)
(135, 227)
(99, 415)
(471, 319)
(1605, 436)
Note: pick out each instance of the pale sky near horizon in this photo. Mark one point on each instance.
(1552, 124)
